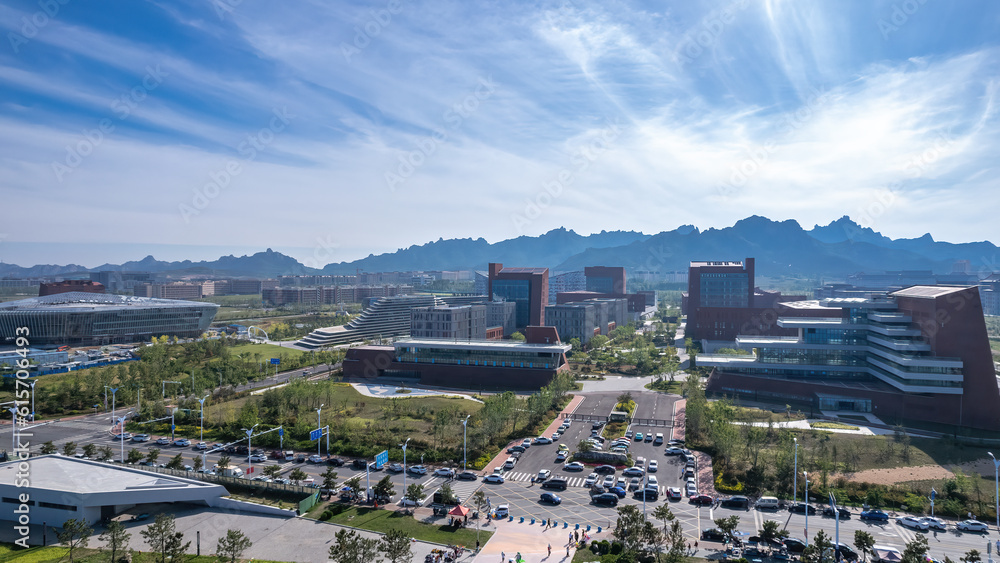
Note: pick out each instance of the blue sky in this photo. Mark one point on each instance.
(330, 130)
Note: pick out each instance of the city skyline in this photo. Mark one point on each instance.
(196, 130)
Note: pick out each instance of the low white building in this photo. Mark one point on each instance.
(52, 489)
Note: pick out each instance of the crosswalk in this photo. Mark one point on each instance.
(463, 489)
(577, 481)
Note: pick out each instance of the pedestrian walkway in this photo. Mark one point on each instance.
(532, 542)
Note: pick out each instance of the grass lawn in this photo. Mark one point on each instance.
(381, 520)
(878, 452)
(266, 351)
(833, 426)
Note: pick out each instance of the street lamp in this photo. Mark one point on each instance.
(319, 424)
(201, 435)
(33, 382)
(404, 465)
(795, 472)
(249, 449)
(465, 448)
(996, 480)
(13, 431)
(114, 391)
(121, 434)
(806, 477)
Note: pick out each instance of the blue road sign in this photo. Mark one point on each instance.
(173, 427)
(316, 434)
(381, 459)
(281, 432)
(276, 361)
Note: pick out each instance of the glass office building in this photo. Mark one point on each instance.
(88, 319)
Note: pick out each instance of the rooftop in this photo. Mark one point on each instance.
(79, 300)
(483, 344)
(930, 291)
(716, 263)
(516, 270)
(68, 474)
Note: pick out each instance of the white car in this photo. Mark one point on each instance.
(912, 522)
(140, 438)
(417, 469)
(652, 482)
(673, 450)
(407, 502)
(653, 466)
(562, 455)
(674, 493)
(574, 466)
(634, 471)
(543, 475)
(201, 446)
(182, 442)
(258, 458)
(555, 436)
(315, 458)
(444, 472)
(163, 441)
(972, 526)
(395, 468)
(542, 440)
(621, 482)
(494, 478)
(526, 443)
(591, 479)
(609, 481)
(502, 511)
(935, 523)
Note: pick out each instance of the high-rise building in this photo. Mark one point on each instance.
(116, 281)
(586, 319)
(528, 288)
(605, 279)
(918, 354)
(566, 281)
(66, 286)
(460, 322)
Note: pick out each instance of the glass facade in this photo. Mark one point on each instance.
(507, 356)
(725, 289)
(519, 292)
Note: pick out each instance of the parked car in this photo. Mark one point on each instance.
(620, 491)
(201, 446)
(653, 466)
(605, 470)
(395, 467)
(876, 515)
(935, 523)
(257, 458)
(335, 461)
(638, 436)
(634, 471)
(526, 443)
(802, 508)
(794, 545)
(913, 522)
(648, 437)
(590, 480)
(634, 485)
(609, 481)
(543, 475)
(972, 526)
(542, 440)
(563, 455)
(609, 499)
(650, 494)
(444, 472)
(467, 476)
(673, 450)
(701, 500)
(673, 493)
(163, 441)
(658, 439)
(550, 498)
(494, 478)
(840, 513)
(417, 469)
(315, 458)
(736, 502)
(574, 466)
(140, 438)
(513, 449)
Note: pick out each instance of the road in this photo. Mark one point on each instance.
(523, 495)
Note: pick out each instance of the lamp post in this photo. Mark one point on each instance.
(404, 465)
(806, 477)
(33, 382)
(13, 430)
(121, 434)
(249, 449)
(795, 472)
(319, 425)
(114, 391)
(996, 481)
(201, 435)
(465, 437)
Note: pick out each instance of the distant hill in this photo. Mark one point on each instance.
(781, 248)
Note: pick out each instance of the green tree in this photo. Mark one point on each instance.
(116, 540)
(90, 450)
(517, 337)
(232, 545)
(224, 462)
(396, 546)
(414, 492)
(329, 480)
(628, 528)
(69, 449)
(75, 534)
(198, 464)
(163, 539)
(447, 494)
(134, 455)
(105, 453)
(354, 484)
(864, 542)
(384, 489)
(676, 544)
(176, 462)
(584, 446)
(972, 556)
(598, 342)
(772, 531)
(819, 549)
(271, 470)
(298, 475)
(728, 525)
(663, 514)
(48, 448)
(351, 547)
(916, 550)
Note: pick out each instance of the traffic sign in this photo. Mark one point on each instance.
(275, 361)
(316, 434)
(281, 432)
(173, 427)
(381, 459)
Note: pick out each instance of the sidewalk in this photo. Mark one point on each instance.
(532, 542)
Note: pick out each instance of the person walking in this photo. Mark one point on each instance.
(503, 557)
(550, 550)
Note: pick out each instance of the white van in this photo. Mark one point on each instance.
(509, 464)
(767, 503)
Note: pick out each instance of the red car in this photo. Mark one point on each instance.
(701, 500)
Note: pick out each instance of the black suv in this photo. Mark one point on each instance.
(557, 483)
(736, 502)
(359, 464)
(841, 513)
(605, 470)
(712, 534)
(609, 499)
(335, 461)
(801, 508)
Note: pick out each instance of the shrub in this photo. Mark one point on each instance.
(723, 487)
(326, 515)
(616, 548)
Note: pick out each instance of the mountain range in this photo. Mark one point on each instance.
(781, 248)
